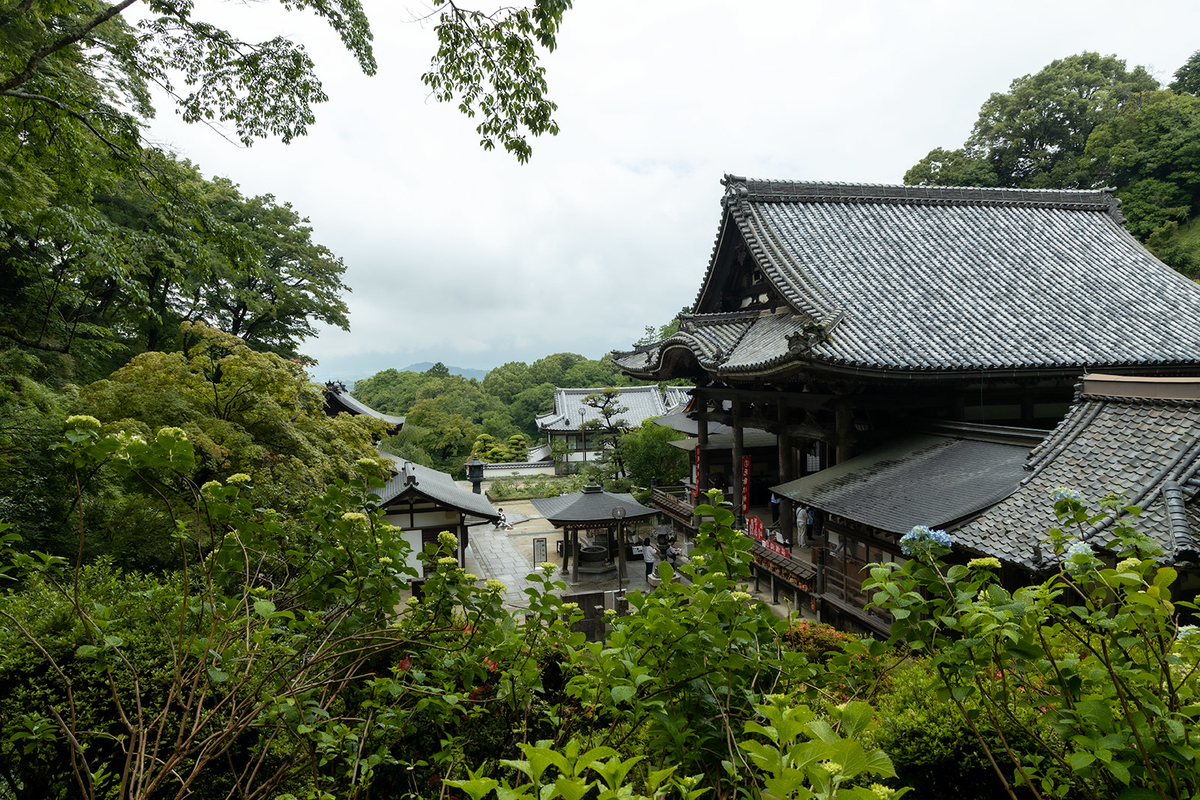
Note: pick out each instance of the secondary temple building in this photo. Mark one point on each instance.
(949, 325)
(579, 426)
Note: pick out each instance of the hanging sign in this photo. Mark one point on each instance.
(745, 485)
(754, 529)
(696, 476)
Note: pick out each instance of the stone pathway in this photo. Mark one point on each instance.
(498, 558)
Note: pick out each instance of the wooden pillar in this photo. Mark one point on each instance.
(574, 555)
(462, 544)
(787, 513)
(702, 463)
(738, 452)
(566, 538)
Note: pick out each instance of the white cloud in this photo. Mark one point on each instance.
(468, 257)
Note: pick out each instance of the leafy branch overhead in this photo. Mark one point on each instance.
(489, 64)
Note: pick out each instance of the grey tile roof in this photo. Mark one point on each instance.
(897, 278)
(337, 399)
(1144, 449)
(914, 480)
(676, 397)
(643, 402)
(723, 440)
(593, 504)
(412, 479)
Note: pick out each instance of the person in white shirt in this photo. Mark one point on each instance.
(648, 556)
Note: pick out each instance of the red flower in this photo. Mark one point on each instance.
(404, 664)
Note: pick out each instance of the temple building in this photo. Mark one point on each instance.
(568, 424)
(840, 318)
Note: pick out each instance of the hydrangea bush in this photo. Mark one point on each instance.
(1099, 652)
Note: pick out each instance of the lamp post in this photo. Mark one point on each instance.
(582, 412)
(619, 513)
(475, 473)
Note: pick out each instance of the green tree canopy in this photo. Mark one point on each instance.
(1187, 77)
(649, 456)
(1034, 135)
(243, 412)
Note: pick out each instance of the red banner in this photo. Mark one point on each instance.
(754, 529)
(745, 484)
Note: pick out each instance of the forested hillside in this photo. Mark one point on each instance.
(1088, 121)
(445, 414)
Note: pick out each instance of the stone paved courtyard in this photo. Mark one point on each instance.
(508, 556)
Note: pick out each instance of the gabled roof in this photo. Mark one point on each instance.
(593, 504)
(643, 402)
(1134, 437)
(676, 397)
(338, 399)
(915, 480)
(413, 480)
(910, 279)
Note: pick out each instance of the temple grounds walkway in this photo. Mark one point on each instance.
(508, 556)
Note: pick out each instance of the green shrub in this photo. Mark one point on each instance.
(524, 487)
(932, 748)
(815, 640)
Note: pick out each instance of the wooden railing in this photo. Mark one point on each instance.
(675, 507)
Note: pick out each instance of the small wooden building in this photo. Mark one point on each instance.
(603, 518)
(424, 502)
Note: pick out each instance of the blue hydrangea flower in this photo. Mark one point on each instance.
(920, 541)
(1079, 558)
(1063, 493)
(1187, 631)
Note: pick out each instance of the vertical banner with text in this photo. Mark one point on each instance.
(696, 476)
(745, 485)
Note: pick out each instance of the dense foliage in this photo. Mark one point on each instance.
(278, 658)
(446, 415)
(1088, 121)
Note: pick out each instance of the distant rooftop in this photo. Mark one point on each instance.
(339, 399)
(642, 402)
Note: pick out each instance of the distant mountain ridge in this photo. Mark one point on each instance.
(424, 366)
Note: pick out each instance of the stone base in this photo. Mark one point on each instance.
(596, 568)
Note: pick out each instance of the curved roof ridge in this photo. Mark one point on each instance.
(1182, 536)
(1185, 457)
(785, 191)
(1058, 441)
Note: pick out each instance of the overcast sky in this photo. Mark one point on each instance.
(467, 257)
